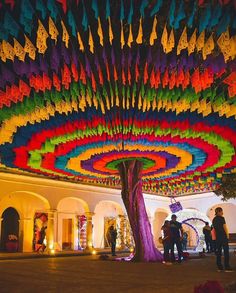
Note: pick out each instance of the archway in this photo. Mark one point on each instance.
(109, 213)
(27, 204)
(9, 226)
(193, 222)
(72, 223)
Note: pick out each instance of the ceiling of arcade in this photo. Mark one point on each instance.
(85, 85)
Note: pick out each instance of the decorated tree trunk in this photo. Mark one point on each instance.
(130, 174)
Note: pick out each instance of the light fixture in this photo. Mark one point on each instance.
(51, 246)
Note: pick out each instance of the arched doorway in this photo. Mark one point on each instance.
(27, 204)
(9, 225)
(109, 213)
(193, 222)
(72, 223)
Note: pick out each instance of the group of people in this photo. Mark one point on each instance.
(216, 238)
(172, 234)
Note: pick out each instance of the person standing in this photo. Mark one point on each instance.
(207, 234)
(112, 237)
(166, 241)
(176, 232)
(184, 241)
(222, 236)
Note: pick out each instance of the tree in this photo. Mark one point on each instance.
(131, 181)
(227, 187)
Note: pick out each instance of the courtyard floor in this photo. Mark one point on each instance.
(90, 274)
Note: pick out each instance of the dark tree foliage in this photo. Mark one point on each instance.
(227, 188)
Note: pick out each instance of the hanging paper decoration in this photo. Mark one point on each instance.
(139, 38)
(52, 29)
(153, 35)
(65, 35)
(192, 42)
(183, 41)
(81, 92)
(42, 36)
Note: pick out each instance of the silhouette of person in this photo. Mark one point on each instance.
(207, 233)
(112, 239)
(222, 236)
(176, 237)
(185, 241)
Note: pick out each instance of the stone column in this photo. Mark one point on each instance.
(50, 232)
(89, 241)
(26, 234)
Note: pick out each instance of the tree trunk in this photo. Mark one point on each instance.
(131, 180)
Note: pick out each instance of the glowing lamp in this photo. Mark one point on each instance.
(51, 246)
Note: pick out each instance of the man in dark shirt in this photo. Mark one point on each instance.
(176, 237)
(222, 237)
(207, 233)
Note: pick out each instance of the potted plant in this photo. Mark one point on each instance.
(12, 243)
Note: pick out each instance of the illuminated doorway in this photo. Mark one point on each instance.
(67, 234)
(108, 222)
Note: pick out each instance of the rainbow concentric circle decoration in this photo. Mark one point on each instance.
(85, 85)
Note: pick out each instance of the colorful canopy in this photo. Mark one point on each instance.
(85, 85)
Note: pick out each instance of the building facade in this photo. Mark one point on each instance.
(78, 216)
